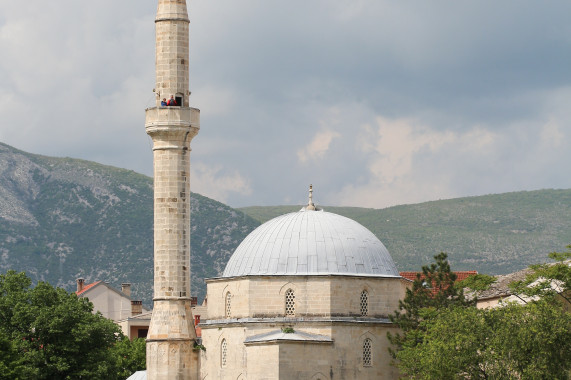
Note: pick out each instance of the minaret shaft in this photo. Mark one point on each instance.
(171, 334)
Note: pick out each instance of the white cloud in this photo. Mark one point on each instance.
(214, 183)
(318, 147)
(405, 159)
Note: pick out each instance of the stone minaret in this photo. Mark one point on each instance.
(171, 334)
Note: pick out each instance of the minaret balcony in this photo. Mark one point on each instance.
(172, 121)
(172, 116)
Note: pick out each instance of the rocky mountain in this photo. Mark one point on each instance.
(63, 218)
(493, 234)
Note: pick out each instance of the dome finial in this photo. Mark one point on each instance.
(310, 204)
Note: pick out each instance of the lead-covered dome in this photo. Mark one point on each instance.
(311, 242)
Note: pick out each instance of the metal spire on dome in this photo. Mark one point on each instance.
(310, 205)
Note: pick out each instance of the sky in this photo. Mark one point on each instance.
(376, 103)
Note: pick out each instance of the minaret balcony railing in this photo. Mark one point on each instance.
(172, 116)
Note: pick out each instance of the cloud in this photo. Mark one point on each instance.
(459, 100)
(214, 183)
(405, 161)
(318, 147)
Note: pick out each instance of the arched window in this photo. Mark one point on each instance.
(228, 304)
(364, 303)
(367, 353)
(223, 353)
(289, 303)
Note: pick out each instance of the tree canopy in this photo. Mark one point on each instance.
(432, 290)
(48, 333)
(447, 337)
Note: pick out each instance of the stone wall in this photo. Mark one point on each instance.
(264, 296)
(341, 359)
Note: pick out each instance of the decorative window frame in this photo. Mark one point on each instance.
(289, 303)
(364, 303)
(367, 352)
(228, 304)
(223, 353)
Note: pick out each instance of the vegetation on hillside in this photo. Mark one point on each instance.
(62, 218)
(494, 234)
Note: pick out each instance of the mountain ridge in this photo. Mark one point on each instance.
(494, 234)
(64, 218)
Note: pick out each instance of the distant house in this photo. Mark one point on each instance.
(499, 292)
(118, 306)
(136, 326)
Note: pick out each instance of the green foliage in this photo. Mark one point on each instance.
(531, 341)
(288, 330)
(477, 282)
(430, 292)
(47, 333)
(198, 347)
(454, 340)
(548, 280)
(130, 356)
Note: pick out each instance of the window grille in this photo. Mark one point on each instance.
(367, 353)
(223, 353)
(364, 303)
(289, 303)
(228, 305)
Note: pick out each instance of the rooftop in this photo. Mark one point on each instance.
(311, 242)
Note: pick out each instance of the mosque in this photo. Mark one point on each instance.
(305, 296)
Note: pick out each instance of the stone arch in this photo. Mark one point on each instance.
(286, 286)
(368, 334)
(318, 376)
(366, 286)
(224, 291)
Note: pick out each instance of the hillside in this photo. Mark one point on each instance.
(494, 234)
(63, 218)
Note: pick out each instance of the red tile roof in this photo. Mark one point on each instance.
(460, 275)
(87, 287)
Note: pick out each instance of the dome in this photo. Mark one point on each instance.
(309, 243)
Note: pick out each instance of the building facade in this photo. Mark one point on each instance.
(305, 296)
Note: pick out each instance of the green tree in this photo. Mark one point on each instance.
(548, 280)
(531, 341)
(431, 291)
(130, 356)
(56, 335)
(455, 340)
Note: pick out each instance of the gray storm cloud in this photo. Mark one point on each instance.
(374, 102)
